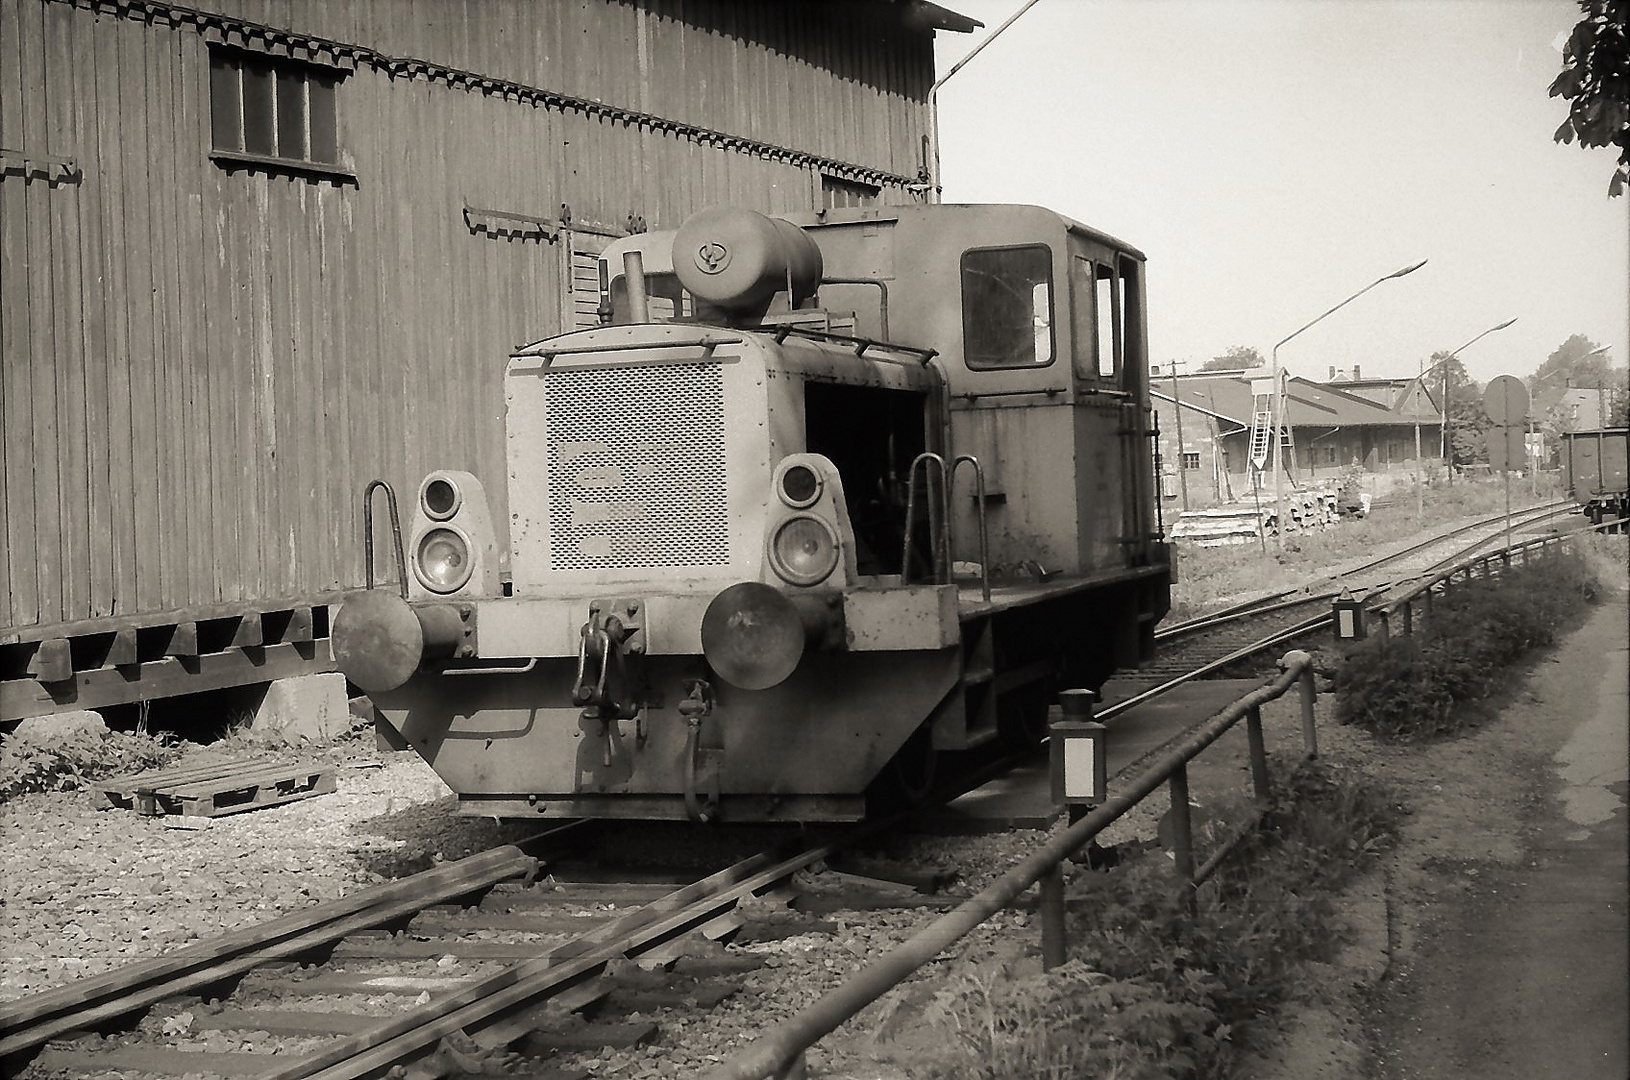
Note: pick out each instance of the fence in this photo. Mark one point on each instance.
(1490, 564)
(780, 1053)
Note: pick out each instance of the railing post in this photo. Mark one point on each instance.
(1182, 838)
(1308, 693)
(1409, 617)
(1259, 757)
(1055, 946)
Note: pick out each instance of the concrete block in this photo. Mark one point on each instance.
(44, 730)
(305, 707)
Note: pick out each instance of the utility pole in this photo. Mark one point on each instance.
(1182, 466)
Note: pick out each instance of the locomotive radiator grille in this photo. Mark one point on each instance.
(636, 467)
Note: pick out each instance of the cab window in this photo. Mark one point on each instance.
(1007, 307)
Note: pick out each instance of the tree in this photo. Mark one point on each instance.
(1236, 358)
(1576, 363)
(1595, 80)
(1468, 423)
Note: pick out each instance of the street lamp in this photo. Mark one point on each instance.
(1278, 411)
(1443, 425)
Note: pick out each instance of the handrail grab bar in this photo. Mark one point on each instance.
(984, 528)
(938, 518)
(368, 533)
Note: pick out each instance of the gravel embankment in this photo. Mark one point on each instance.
(87, 886)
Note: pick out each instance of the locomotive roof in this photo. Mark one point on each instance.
(847, 215)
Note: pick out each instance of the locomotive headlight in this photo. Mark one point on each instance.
(800, 486)
(804, 550)
(440, 498)
(442, 560)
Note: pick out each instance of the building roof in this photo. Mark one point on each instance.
(1227, 395)
(936, 17)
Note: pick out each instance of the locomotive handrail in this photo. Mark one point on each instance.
(861, 344)
(984, 530)
(938, 518)
(706, 343)
(368, 533)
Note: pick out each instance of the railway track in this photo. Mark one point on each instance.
(490, 963)
(1221, 641)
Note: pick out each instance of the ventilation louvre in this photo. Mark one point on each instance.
(636, 467)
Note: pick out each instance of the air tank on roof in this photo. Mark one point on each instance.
(739, 259)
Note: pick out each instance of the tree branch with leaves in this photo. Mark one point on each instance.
(1595, 81)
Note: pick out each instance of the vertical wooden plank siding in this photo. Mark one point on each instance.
(82, 78)
(16, 361)
(204, 363)
(48, 529)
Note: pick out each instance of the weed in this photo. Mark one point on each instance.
(1209, 578)
(1436, 681)
(43, 756)
(1156, 991)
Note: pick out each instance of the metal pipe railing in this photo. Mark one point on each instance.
(1422, 591)
(780, 1053)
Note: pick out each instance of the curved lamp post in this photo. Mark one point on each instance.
(934, 185)
(1278, 411)
(1443, 426)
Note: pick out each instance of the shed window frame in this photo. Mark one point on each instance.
(275, 112)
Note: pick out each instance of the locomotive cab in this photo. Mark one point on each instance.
(760, 551)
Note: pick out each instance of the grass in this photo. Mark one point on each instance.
(1440, 680)
(1211, 578)
(1155, 991)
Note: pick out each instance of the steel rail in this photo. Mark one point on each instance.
(402, 1037)
(196, 973)
(1277, 600)
(779, 1052)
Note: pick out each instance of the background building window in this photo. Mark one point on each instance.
(266, 107)
(1191, 459)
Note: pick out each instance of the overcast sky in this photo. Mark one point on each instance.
(1272, 157)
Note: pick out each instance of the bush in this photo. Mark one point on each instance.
(1155, 991)
(1432, 683)
(42, 756)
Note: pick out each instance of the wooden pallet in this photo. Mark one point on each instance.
(222, 788)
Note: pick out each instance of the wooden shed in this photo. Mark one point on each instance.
(254, 256)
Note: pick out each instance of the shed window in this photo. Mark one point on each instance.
(1007, 307)
(266, 108)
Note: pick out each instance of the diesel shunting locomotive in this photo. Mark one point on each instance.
(823, 496)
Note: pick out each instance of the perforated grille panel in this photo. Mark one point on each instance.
(636, 467)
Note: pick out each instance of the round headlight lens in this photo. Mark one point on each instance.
(800, 486)
(442, 560)
(804, 551)
(440, 498)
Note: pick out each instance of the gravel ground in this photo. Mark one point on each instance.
(88, 886)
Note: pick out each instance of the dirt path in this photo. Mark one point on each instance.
(1494, 945)
(1517, 966)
